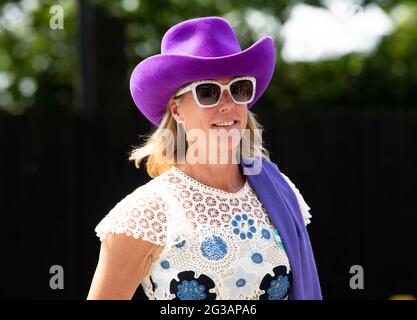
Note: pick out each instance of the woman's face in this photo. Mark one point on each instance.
(206, 120)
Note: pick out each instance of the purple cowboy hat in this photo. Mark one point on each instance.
(198, 49)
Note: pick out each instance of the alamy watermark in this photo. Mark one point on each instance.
(57, 280)
(57, 19)
(357, 280)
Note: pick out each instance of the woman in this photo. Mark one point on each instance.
(210, 224)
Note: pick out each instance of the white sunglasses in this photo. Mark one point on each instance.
(207, 93)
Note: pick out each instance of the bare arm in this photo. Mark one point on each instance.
(123, 263)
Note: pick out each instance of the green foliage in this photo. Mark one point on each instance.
(38, 65)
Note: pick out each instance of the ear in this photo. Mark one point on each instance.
(175, 111)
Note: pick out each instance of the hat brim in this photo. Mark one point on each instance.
(156, 78)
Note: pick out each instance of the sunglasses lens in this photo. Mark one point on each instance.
(242, 90)
(208, 93)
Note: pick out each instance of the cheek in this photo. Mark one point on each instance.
(200, 120)
(203, 118)
(189, 113)
(197, 118)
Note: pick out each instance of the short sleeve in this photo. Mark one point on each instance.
(141, 214)
(303, 205)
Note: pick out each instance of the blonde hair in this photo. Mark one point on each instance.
(156, 144)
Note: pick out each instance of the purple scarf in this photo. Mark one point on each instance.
(284, 211)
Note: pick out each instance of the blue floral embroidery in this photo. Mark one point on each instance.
(191, 290)
(278, 288)
(243, 226)
(213, 248)
(240, 282)
(165, 264)
(188, 287)
(181, 244)
(266, 234)
(257, 258)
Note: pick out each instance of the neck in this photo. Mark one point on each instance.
(227, 177)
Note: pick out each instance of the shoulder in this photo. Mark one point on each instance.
(141, 214)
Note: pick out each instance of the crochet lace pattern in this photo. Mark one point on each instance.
(217, 244)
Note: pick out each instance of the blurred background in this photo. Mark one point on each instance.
(340, 119)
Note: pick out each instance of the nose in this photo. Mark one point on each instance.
(226, 101)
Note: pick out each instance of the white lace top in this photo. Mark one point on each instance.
(217, 244)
